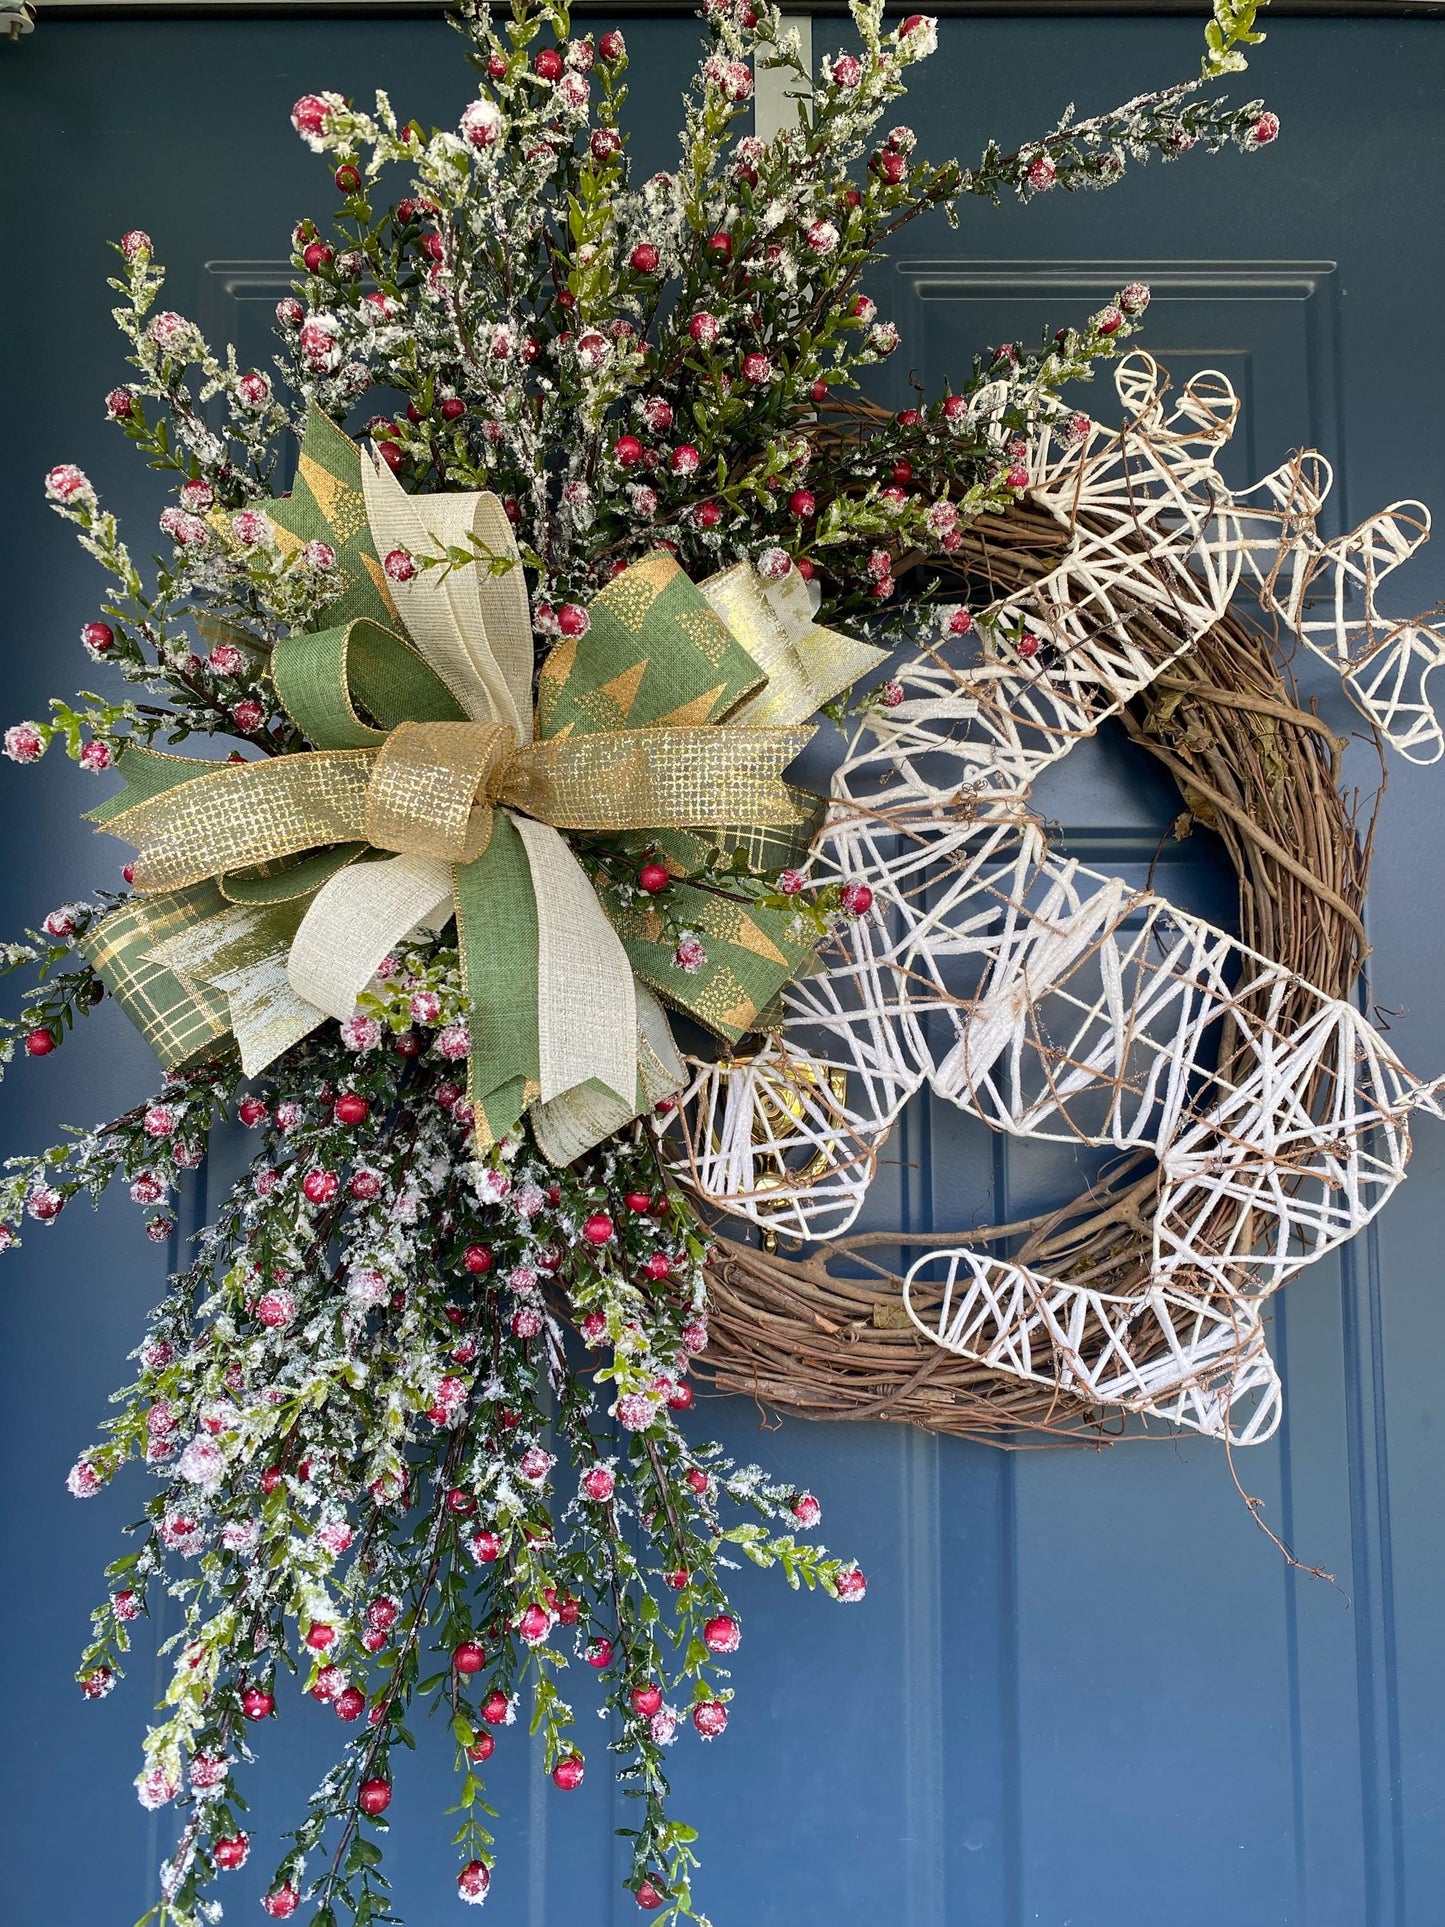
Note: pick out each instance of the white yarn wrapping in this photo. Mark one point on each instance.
(1052, 1001)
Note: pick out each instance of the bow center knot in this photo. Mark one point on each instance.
(432, 788)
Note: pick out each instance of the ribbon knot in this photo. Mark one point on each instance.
(433, 786)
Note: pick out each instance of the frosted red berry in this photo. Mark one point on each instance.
(473, 1881)
(710, 1717)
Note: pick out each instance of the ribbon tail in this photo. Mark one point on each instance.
(355, 920)
(497, 939)
(586, 1006)
(750, 953)
(806, 666)
(241, 953)
(580, 1120)
(181, 1022)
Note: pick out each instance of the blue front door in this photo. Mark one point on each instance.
(1084, 1691)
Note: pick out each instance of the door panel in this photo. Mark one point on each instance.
(1084, 1689)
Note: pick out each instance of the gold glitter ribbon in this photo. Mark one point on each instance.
(430, 789)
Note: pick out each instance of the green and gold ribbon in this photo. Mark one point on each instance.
(268, 891)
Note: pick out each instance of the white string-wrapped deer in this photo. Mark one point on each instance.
(1052, 1001)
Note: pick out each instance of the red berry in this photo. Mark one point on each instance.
(98, 637)
(257, 1704)
(486, 1547)
(722, 1634)
(374, 1797)
(534, 1624)
(677, 1580)
(639, 1201)
(469, 1657)
(320, 1186)
(394, 457)
(599, 1654)
(252, 1111)
(710, 1717)
(649, 1897)
(697, 1480)
(709, 514)
(628, 450)
(612, 46)
(383, 1613)
(281, 1902)
(567, 1773)
(320, 1636)
(720, 247)
(653, 878)
(646, 1700)
(803, 503)
(658, 1266)
(474, 1880)
(351, 1109)
(856, 899)
(495, 1708)
(318, 256)
(645, 258)
(348, 178)
(459, 1501)
(477, 1259)
(819, 391)
(548, 64)
(482, 1747)
(598, 1229)
(40, 1043)
(681, 1400)
(229, 1852)
(350, 1704)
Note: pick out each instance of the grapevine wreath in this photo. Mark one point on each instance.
(504, 604)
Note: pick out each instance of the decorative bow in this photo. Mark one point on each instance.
(269, 891)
